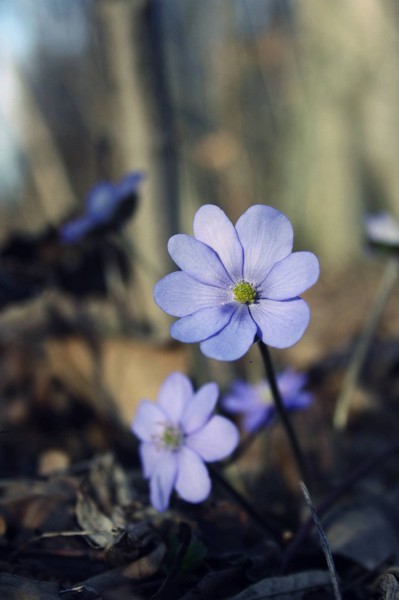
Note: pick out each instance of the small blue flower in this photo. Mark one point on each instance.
(255, 401)
(178, 435)
(106, 203)
(382, 230)
(238, 283)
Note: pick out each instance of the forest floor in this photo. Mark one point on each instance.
(75, 521)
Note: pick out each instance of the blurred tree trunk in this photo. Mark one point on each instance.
(37, 145)
(341, 145)
(135, 128)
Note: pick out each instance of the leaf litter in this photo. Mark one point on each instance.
(76, 522)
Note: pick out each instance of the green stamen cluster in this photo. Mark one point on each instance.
(244, 292)
(172, 437)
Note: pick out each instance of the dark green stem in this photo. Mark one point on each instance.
(282, 413)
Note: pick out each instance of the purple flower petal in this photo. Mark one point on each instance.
(198, 260)
(75, 230)
(174, 394)
(281, 324)
(300, 400)
(261, 417)
(212, 227)
(290, 382)
(242, 397)
(128, 185)
(234, 340)
(163, 480)
(291, 276)
(193, 482)
(202, 324)
(179, 295)
(149, 455)
(148, 421)
(100, 202)
(267, 237)
(199, 410)
(216, 440)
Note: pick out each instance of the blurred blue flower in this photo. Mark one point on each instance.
(237, 283)
(255, 401)
(179, 434)
(108, 205)
(382, 230)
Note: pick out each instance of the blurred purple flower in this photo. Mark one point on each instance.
(106, 204)
(179, 434)
(382, 230)
(255, 401)
(237, 283)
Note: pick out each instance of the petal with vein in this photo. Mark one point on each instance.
(199, 410)
(193, 482)
(163, 480)
(148, 421)
(202, 324)
(235, 339)
(267, 237)
(198, 260)
(281, 323)
(149, 456)
(179, 295)
(216, 440)
(212, 227)
(291, 276)
(175, 392)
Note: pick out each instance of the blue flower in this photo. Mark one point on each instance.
(238, 283)
(178, 435)
(107, 204)
(255, 401)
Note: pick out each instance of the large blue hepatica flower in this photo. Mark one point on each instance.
(238, 283)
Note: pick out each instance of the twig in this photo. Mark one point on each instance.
(329, 502)
(324, 542)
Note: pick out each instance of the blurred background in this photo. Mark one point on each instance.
(292, 103)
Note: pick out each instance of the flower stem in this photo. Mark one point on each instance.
(282, 413)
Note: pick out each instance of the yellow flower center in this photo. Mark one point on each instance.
(244, 292)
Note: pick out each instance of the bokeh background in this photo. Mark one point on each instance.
(292, 103)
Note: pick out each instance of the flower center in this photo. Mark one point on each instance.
(265, 396)
(244, 292)
(172, 437)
